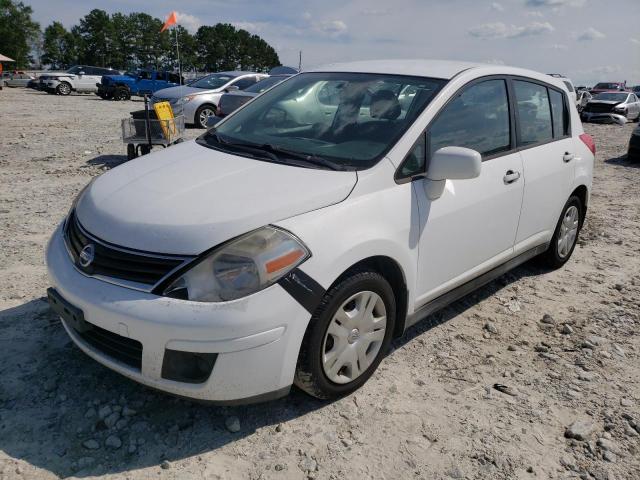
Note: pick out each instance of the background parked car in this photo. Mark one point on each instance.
(607, 87)
(121, 87)
(231, 101)
(605, 104)
(18, 79)
(583, 97)
(198, 100)
(80, 78)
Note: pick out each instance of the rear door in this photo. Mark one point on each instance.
(547, 149)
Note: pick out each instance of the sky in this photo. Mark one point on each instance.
(586, 40)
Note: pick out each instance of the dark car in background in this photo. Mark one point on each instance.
(233, 100)
(633, 154)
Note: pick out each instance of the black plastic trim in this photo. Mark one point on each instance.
(304, 289)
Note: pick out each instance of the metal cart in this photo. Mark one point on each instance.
(143, 130)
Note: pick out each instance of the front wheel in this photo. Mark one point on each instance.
(63, 89)
(347, 336)
(202, 115)
(121, 93)
(566, 234)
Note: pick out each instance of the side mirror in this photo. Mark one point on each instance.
(232, 88)
(80, 73)
(451, 163)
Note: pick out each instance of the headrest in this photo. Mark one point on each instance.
(384, 104)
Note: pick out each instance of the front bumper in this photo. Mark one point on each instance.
(257, 338)
(611, 117)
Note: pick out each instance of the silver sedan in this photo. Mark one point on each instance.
(17, 80)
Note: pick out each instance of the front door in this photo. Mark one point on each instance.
(472, 226)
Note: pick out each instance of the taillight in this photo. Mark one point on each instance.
(589, 142)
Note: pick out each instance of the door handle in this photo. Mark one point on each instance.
(511, 177)
(567, 157)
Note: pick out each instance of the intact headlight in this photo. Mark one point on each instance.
(241, 267)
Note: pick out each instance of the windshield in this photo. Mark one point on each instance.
(265, 84)
(213, 81)
(607, 86)
(618, 97)
(349, 119)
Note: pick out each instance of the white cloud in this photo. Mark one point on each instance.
(331, 28)
(494, 61)
(497, 7)
(634, 40)
(249, 26)
(190, 22)
(590, 34)
(534, 13)
(555, 3)
(559, 46)
(606, 69)
(500, 30)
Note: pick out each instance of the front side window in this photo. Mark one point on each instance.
(349, 119)
(559, 114)
(265, 84)
(534, 113)
(478, 118)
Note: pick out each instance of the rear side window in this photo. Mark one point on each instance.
(534, 112)
(245, 82)
(559, 114)
(478, 119)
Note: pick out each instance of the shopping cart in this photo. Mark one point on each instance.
(143, 130)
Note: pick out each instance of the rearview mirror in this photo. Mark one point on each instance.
(451, 163)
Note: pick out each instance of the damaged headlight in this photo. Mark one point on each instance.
(241, 267)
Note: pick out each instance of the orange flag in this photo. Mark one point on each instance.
(171, 20)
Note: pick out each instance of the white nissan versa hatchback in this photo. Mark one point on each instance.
(293, 241)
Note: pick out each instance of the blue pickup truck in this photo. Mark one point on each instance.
(121, 87)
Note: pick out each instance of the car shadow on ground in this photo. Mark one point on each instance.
(51, 392)
(623, 161)
(108, 161)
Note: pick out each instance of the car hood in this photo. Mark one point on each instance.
(181, 91)
(188, 198)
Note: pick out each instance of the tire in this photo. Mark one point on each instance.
(558, 254)
(202, 114)
(121, 93)
(316, 374)
(131, 151)
(144, 149)
(63, 89)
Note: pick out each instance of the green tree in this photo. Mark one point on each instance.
(96, 34)
(59, 46)
(17, 31)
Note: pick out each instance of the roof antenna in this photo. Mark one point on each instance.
(300, 61)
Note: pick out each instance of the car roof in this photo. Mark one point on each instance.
(444, 69)
(235, 73)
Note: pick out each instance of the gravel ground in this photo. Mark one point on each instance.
(565, 345)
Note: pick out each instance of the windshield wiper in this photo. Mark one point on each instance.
(275, 152)
(305, 157)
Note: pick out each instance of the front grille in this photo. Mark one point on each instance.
(599, 108)
(123, 349)
(116, 262)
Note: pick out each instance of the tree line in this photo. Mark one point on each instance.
(128, 41)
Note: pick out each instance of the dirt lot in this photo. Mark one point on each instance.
(566, 343)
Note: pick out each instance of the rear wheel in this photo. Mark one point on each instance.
(566, 234)
(131, 151)
(347, 336)
(63, 89)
